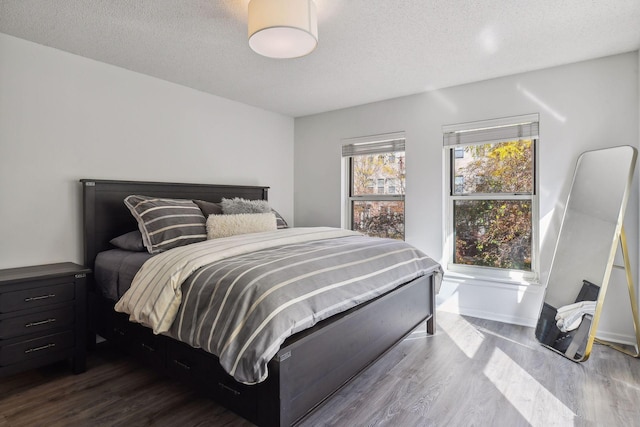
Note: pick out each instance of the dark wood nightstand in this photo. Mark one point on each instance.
(43, 317)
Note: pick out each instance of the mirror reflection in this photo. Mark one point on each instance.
(584, 254)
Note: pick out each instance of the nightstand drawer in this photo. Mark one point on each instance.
(36, 322)
(37, 347)
(25, 299)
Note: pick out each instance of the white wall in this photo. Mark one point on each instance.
(583, 106)
(64, 117)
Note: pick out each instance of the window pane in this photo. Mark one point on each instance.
(379, 218)
(493, 233)
(371, 171)
(459, 184)
(505, 167)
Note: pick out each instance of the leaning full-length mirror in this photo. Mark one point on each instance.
(585, 251)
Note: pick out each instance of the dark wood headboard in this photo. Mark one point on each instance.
(105, 216)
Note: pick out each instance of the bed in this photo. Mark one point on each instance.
(308, 367)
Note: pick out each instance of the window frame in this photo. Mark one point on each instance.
(449, 156)
(348, 198)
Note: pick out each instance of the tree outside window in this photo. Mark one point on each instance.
(377, 210)
(492, 190)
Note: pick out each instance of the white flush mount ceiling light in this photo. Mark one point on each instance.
(283, 28)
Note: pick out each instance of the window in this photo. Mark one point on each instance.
(392, 184)
(375, 182)
(492, 209)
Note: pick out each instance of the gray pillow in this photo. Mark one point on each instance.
(238, 205)
(279, 220)
(131, 241)
(167, 223)
(208, 208)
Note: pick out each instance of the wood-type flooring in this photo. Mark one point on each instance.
(472, 372)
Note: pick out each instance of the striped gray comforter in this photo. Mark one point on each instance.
(242, 307)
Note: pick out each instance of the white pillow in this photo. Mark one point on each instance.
(229, 225)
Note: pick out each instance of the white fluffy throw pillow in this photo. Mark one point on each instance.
(230, 225)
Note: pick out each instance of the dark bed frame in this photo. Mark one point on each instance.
(310, 366)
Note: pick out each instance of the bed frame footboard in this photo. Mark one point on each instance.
(314, 367)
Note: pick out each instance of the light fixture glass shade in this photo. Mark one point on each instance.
(283, 28)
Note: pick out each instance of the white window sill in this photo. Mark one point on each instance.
(488, 280)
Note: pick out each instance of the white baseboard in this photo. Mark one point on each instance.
(498, 317)
(616, 337)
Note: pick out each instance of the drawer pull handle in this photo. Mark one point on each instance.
(148, 347)
(44, 347)
(227, 388)
(39, 298)
(42, 322)
(182, 365)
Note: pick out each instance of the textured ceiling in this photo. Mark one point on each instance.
(368, 50)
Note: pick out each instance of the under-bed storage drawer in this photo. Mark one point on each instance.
(203, 370)
(117, 330)
(133, 338)
(186, 364)
(238, 397)
(147, 347)
(36, 347)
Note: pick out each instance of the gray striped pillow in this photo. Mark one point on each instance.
(167, 223)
